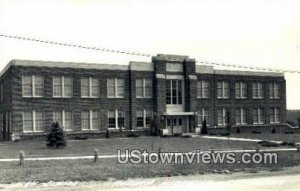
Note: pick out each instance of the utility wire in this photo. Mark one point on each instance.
(133, 53)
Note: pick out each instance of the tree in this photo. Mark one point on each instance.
(204, 127)
(56, 137)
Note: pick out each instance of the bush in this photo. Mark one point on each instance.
(56, 137)
(238, 130)
(204, 127)
(107, 134)
(273, 131)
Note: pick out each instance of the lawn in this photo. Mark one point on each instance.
(37, 148)
(105, 169)
(271, 137)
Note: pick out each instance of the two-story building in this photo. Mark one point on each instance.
(170, 91)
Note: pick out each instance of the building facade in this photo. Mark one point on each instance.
(171, 92)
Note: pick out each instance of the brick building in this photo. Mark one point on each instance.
(170, 91)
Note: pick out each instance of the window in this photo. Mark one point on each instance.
(203, 89)
(62, 86)
(240, 116)
(32, 86)
(257, 90)
(258, 116)
(27, 121)
(143, 118)
(202, 114)
(274, 90)
(115, 88)
(174, 92)
(89, 87)
(143, 88)
(223, 90)
(240, 90)
(33, 121)
(57, 86)
(64, 119)
(222, 115)
(68, 86)
(90, 120)
(84, 87)
(68, 120)
(39, 121)
(116, 119)
(112, 119)
(85, 120)
(95, 120)
(275, 115)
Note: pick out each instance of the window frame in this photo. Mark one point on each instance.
(33, 85)
(224, 94)
(116, 87)
(63, 87)
(203, 86)
(33, 121)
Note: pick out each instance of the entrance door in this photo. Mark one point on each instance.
(174, 125)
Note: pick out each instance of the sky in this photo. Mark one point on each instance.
(262, 33)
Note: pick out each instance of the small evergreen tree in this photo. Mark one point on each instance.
(56, 137)
(204, 127)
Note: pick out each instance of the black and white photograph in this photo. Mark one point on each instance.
(140, 95)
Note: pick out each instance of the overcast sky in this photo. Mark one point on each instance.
(262, 33)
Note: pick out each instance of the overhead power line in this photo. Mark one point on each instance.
(133, 53)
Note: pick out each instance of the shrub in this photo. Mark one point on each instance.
(204, 127)
(273, 131)
(107, 134)
(238, 130)
(56, 137)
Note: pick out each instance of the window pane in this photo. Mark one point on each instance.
(27, 86)
(120, 119)
(148, 88)
(95, 87)
(168, 92)
(85, 122)
(68, 86)
(226, 90)
(199, 89)
(39, 86)
(120, 87)
(57, 86)
(148, 117)
(84, 87)
(139, 87)
(179, 91)
(205, 89)
(111, 87)
(139, 118)
(95, 120)
(39, 121)
(68, 120)
(57, 117)
(111, 119)
(27, 121)
(220, 89)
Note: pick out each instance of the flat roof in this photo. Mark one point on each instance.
(137, 66)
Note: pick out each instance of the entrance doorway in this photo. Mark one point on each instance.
(174, 125)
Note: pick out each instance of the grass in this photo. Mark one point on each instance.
(105, 169)
(37, 148)
(86, 170)
(271, 137)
